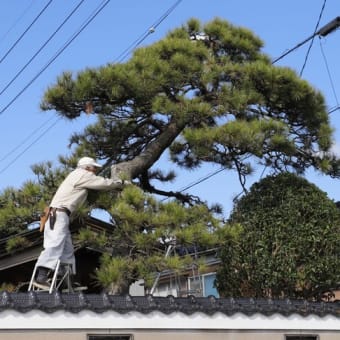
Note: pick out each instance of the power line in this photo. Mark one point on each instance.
(9, 153)
(157, 23)
(314, 34)
(84, 25)
(149, 31)
(26, 30)
(75, 35)
(16, 22)
(42, 47)
(30, 145)
(138, 42)
(323, 31)
(329, 75)
(334, 109)
(201, 180)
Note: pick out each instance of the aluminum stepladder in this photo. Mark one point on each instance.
(62, 274)
(169, 249)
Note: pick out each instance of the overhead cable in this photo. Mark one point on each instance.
(149, 31)
(329, 76)
(75, 35)
(16, 22)
(162, 18)
(312, 40)
(322, 32)
(30, 145)
(334, 109)
(42, 47)
(9, 153)
(26, 30)
(200, 180)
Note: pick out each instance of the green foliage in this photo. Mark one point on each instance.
(7, 287)
(143, 230)
(113, 271)
(19, 208)
(22, 207)
(87, 237)
(221, 98)
(16, 243)
(289, 245)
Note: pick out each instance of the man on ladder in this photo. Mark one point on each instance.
(58, 252)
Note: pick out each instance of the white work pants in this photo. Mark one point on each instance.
(57, 244)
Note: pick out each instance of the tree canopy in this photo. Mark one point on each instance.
(289, 242)
(206, 93)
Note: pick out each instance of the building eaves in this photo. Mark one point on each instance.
(34, 238)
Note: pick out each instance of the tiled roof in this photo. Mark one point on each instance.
(98, 303)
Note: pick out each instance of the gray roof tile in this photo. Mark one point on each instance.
(98, 303)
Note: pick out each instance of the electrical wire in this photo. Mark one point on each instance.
(42, 47)
(26, 30)
(334, 109)
(312, 41)
(84, 25)
(90, 18)
(149, 31)
(329, 75)
(30, 145)
(201, 180)
(300, 44)
(137, 43)
(17, 21)
(9, 153)
(61, 50)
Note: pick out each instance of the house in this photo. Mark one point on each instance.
(191, 281)
(16, 267)
(78, 316)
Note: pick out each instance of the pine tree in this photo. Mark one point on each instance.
(204, 93)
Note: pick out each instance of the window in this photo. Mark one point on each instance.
(302, 337)
(203, 285)
(110, 337)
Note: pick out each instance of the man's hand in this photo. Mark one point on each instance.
(118, 173)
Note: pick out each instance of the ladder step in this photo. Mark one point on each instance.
(61, 278)
(41, 286)
(75, 289)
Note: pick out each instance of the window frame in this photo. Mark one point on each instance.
(201, 278)
(110, 336)
(301, 337)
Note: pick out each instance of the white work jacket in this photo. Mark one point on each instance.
(74, 189)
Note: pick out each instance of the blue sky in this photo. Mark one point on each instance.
(280, 24)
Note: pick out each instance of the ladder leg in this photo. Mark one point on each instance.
(35, 286)
(62, 275)
(55, 277)
(32, 278)
(69, 280)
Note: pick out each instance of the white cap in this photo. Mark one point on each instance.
(87, 161)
